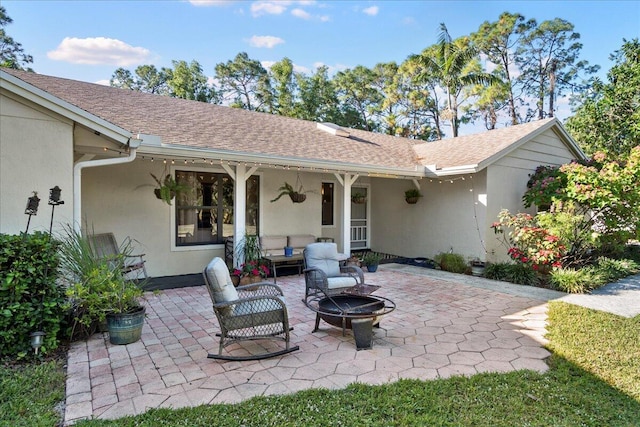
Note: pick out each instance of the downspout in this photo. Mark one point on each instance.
(77, 174)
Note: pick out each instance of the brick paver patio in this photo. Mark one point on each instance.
(444, 325)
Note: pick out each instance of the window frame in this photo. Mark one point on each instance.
(333, 201)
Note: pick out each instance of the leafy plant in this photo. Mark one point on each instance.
(358, 197)
(371, 258)
(497, 271)
(297, 196)
(168, 188)
(251, 268)
(454, 263)
(572, 280)
(30, 297)
(522, 274)
(412, 192)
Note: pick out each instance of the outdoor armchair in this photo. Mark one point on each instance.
(252, 312)
(323, 272)
(104, 246)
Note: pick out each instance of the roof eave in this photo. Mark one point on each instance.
(64, 108)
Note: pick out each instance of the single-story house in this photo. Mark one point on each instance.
(100, 144)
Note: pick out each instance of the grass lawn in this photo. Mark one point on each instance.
(594, 380)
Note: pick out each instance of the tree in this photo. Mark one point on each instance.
(244, 81)
(453, 64)
(548, 60)
(498, 41)
(187, 81)
(283, 88)
(11, 52)
(608, 118)
(318, 100)
(359, 97)
(147, 79)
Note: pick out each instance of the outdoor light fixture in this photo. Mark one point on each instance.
(37, 339)
(54, 200)
(32, 208)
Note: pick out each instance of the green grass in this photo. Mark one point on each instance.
(30, 393)
(594, 380)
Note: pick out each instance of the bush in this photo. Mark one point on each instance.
(574, 281)
(521, 274)
(455, 263)
(610, 270)
(30, 298)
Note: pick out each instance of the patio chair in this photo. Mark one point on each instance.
(323, 273)
(104, 246)
(251, 312)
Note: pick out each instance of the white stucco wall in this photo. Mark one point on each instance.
(507, 178)
(443, 220)
(120, 199)
(36, 154)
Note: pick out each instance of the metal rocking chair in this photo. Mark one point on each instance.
(252, 312)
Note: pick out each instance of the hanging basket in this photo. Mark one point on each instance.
(412, 200)
(298, 197)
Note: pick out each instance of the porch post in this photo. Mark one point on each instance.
(239, 211)
(346, 181)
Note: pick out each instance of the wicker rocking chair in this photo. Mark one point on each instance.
(252, 312)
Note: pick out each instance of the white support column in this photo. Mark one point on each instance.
(239, 177)
(346, 181)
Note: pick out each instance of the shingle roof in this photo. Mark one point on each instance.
(199, 125)
(474, 149)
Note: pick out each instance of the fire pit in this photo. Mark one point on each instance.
(355, 312)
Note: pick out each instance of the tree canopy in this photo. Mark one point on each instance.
(11, 52)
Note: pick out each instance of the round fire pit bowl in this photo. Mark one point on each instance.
(356, 312)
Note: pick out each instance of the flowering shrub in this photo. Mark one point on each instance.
(529, 243)
(251, 268)
(545, 186)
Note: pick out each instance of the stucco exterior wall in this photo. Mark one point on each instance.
(36, 154)
(507, 178)
(444, 218)
(120, 199)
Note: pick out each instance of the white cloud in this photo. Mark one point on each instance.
(299, 13)
(265, 41)
(269, 7)
(325, 18)
(371, 11)
(98, 50)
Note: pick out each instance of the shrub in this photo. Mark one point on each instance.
(455, 263)
(575, 281)
(30, 298)
(610, 270)
(497, 271)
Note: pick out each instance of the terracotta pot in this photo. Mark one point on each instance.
(247, 280)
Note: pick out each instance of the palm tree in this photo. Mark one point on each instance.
(453, 64)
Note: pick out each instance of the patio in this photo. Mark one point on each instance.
(444, 325)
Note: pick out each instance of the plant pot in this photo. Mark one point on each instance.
(412, 200)
(477, 270)
(247, 280)
(297, 197)
(360, 201)
(372, 268)
(158, 193)
(125, 328)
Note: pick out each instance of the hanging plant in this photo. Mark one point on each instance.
(296, 196)
(358, 198)
(167, 188)
(412, 195)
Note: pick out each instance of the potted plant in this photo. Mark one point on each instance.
(358, 198)
(371, 260)
(412, 195)
(167, 188)
(249, 272)
(297, 196)
(477, 267)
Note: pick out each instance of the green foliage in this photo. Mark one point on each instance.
(455, 263)
(412, 192)
(30, 395)
(498, 271)
(603, 271)
(30, 298)
(168, 188)
(545, 185)
(11, 52)
(521, 274)
(371, 258)
(608, 118)
(575, 281)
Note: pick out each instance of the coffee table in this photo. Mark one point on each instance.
(276, 261)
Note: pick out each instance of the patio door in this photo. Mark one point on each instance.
(360, 218)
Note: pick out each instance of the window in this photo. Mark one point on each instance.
(327, 203)
(204, 212)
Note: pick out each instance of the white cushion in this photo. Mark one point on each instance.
(219, 280)
(341, 282)
(323, 256)
(259, 306)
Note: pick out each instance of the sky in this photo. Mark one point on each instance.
(88, 40)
